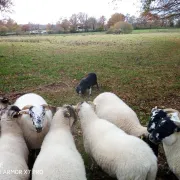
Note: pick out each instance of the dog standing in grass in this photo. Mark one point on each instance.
(87, 83)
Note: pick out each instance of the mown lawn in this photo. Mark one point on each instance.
(142, 68)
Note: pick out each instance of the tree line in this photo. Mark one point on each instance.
(81, 22)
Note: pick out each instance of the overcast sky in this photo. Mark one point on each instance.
(49, 11)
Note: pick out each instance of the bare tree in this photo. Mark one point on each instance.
(5, 5)
(83, 20)
(101, 22)
(92, 23)
(73, 22)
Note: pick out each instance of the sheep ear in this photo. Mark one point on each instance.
(174, 115)
(53, 109)
(24, 111)
(77, 107)
(67, 113)
(46, 106)
(14, 111)
(169, 110)
(4, 100)
(26, 107)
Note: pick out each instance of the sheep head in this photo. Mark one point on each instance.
(70, 113)
(37, 113)
(162, 124)
(9, 113)
(88, 103)
(4, 102)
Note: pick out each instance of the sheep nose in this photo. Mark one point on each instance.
(38, 130)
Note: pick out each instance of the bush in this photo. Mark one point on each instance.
(120, 27)
(3, 30)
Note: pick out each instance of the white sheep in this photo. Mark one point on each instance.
(59, 158)
(112, 108)
(120, 155)
(35, 120)
(13, 149)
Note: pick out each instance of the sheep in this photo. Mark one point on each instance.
(13, 149)
(87, 83)
(112, 108)
(35, 119)
(164, 126)
(59, 158)
(120, 155)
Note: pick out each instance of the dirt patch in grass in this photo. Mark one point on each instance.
(55, 87)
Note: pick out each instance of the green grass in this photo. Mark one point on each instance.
(141, 68)
(156, 30)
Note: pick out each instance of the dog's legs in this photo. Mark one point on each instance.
(90, 91)
(97, 86)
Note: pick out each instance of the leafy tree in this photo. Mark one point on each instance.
(65, 24)
(49, 28)
(25, 27)
(3, 30)
(11, 25)
(120, 27)
(115, 18)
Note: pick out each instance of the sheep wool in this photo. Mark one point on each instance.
(13, 150)
(59, 158)
(33, 139)
(120, 155)
(112, 108)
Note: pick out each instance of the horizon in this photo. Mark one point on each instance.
(45, 11)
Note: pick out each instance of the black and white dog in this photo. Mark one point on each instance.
(87, 83)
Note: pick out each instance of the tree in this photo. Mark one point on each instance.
(25, 27)
(11, 25)
(83, 20)
(115, 18)
(5, 5)
(65, 24)
(92, 23)
(49, 28)
(120, 27)
(101, 23)
(73, 22)
(164, 8)
(3, 30)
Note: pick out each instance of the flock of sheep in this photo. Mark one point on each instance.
(111, 131)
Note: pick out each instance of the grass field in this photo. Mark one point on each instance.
(142, 68)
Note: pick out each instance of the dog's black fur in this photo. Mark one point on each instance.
(87, 83)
